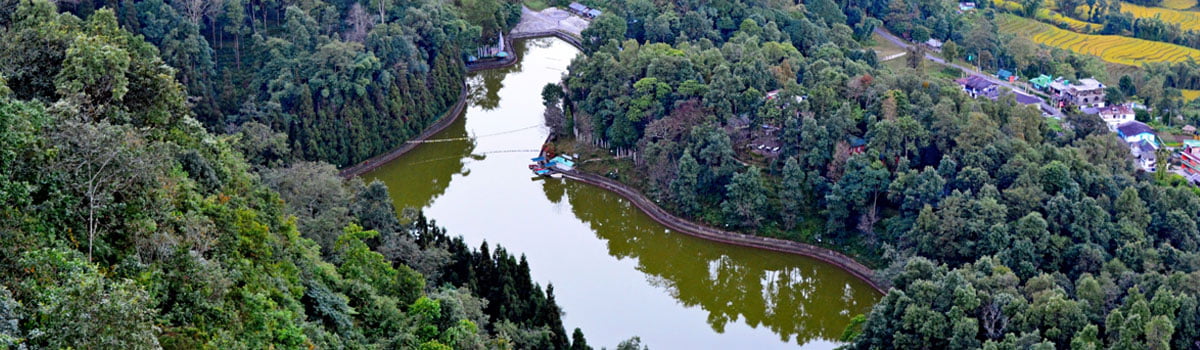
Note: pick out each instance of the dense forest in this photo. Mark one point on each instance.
(346, 80)
(168, 172)
(995, 229)
(124, 223)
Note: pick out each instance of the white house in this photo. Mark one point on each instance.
(1114, 116)
(1144, 153)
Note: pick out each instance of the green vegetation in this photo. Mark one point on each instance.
(997, 228)
(125, 224)
(346, 80)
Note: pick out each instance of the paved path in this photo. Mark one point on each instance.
(971, 70)
(637, 198)
(549, 20)
(712, 234)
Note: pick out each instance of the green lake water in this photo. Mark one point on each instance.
(616, 273)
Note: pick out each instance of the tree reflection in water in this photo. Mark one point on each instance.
(800, 300)
(797, 298)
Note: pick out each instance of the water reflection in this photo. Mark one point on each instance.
(799, 299)
(428, 171)
(616, 272)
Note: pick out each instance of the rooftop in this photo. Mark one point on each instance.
(976, 83)
(1042, 80)
(1115, 109)
(1134, 128)
(856, 141)
(1146, 147)
(1088, 84)
(1027, 99)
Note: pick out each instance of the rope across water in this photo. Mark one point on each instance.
(452, 139)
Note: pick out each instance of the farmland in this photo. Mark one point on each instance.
(1187, 20)
(1111, 48)
(1189, 95)
(1179, 4)
(1074, 24)
(1050, 16)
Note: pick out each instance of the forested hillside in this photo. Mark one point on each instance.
(125, 224)
(346, 80)
(996, 230)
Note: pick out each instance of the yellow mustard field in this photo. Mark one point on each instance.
(1111, 48)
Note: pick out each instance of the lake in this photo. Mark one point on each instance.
(616, 272)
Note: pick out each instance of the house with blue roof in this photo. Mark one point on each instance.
(1135, 132)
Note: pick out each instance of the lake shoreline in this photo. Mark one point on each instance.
(709, 233)
(639, 200)
(455, 111)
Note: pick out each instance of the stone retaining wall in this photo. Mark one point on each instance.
(708, 233)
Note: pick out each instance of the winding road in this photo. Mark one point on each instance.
(971, 70)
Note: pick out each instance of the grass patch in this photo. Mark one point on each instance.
(1054, 124)
(949, 72)
(537, 5)
(884, 47)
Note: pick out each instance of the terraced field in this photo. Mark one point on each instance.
(1051, 16)
(1111, 48)
(1179, 4)
(1187, 20)
(1074, 24)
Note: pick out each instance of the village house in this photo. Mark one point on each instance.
(1041, 82)
(1006, 75)
(1086, 93)
(1146, 155)
(1115, 115)
(1135, 131)
(966, 6)
(977, 86)
(857, 144)
(934, 44)
(577, 8)
(583, 11)
(1189, 157)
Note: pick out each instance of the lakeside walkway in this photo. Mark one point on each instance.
(548, 23)
(693, 229)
